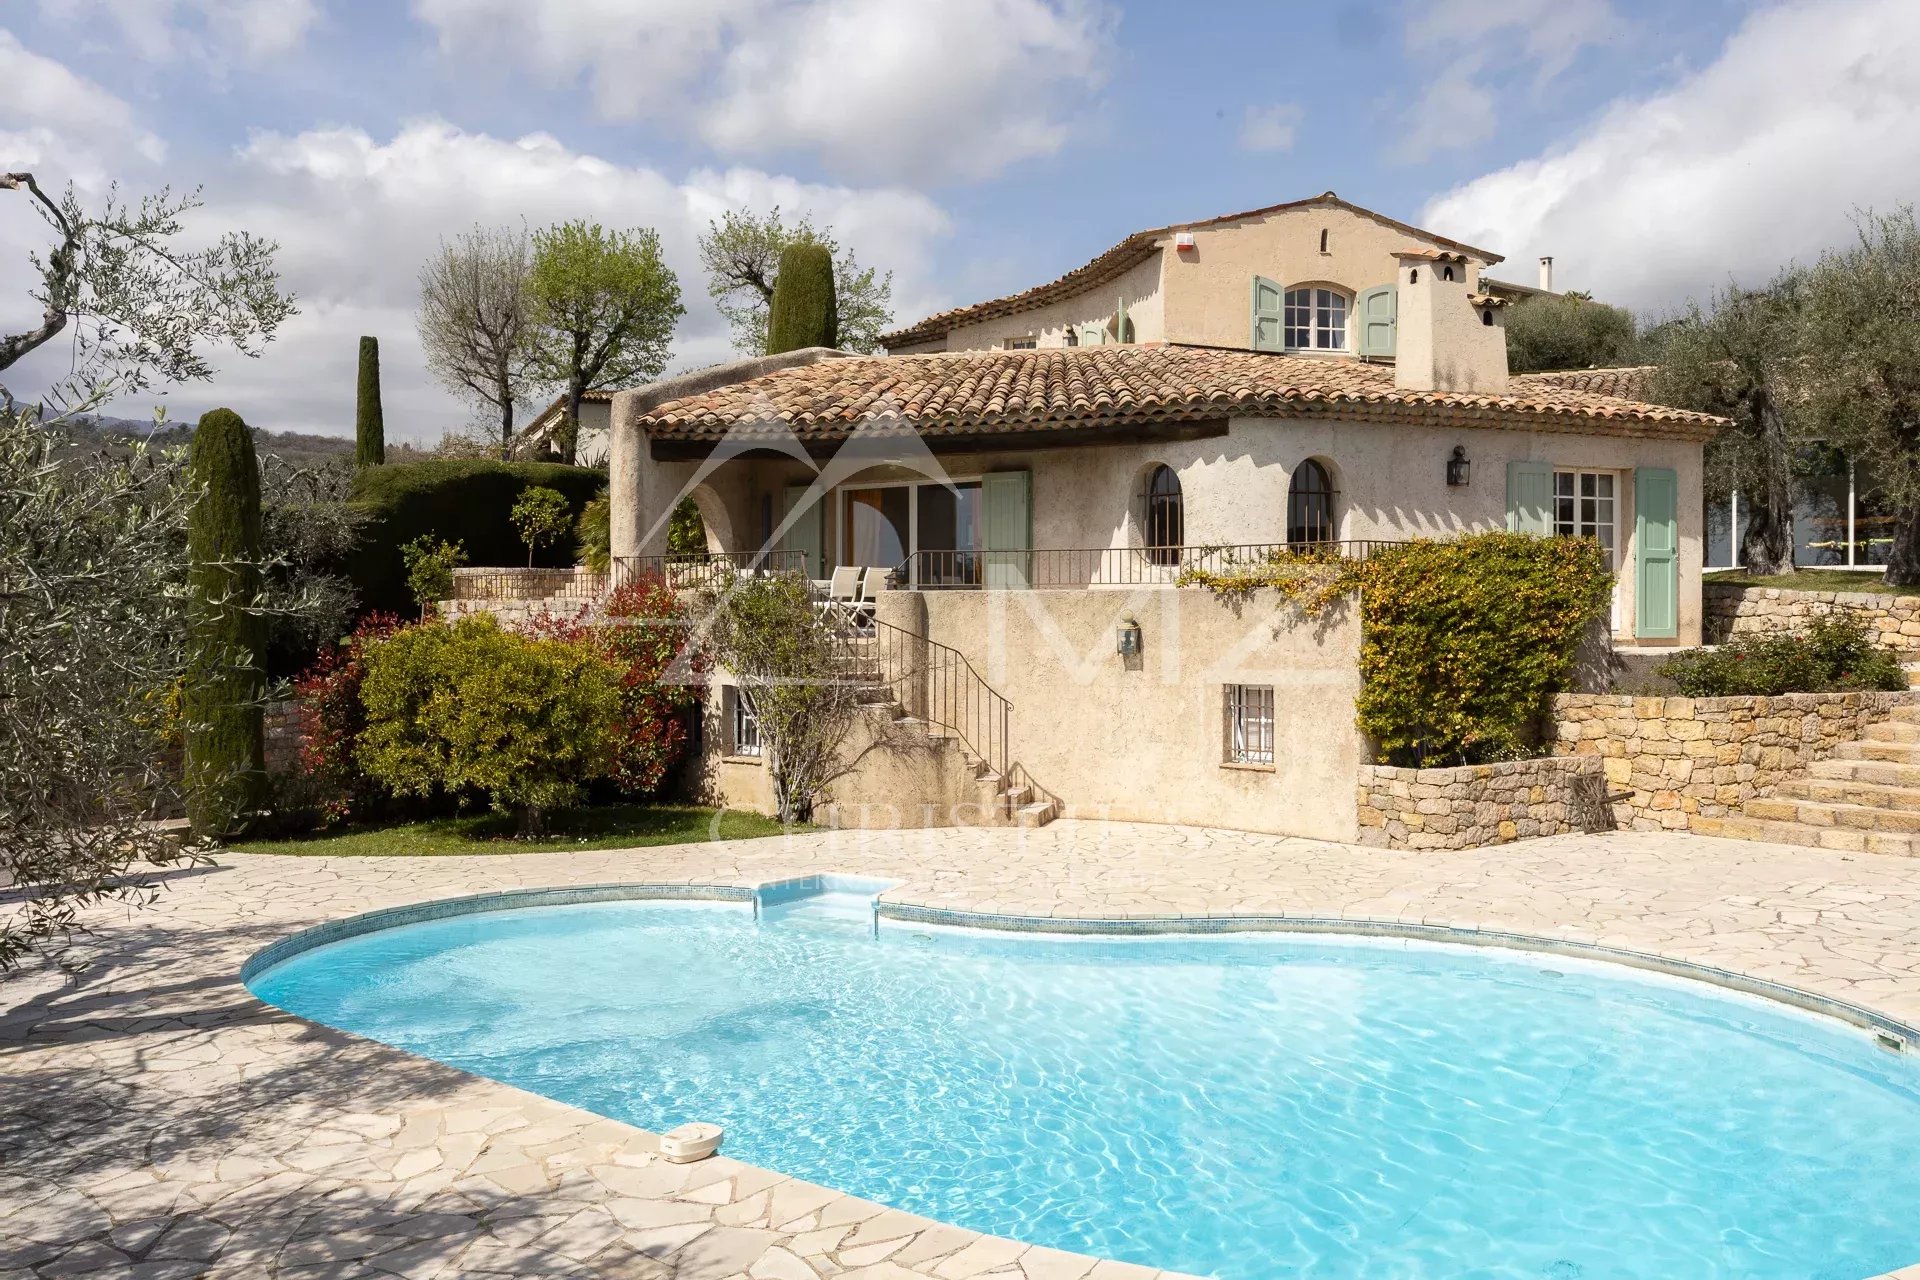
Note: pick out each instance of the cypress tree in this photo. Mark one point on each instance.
(221, 701)
(369, 428)
(805, 311)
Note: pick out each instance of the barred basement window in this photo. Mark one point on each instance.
(1249, 724)
(746, 725)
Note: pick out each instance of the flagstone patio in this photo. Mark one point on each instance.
(156, 1120)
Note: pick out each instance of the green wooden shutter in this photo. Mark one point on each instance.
(1530, 498)
(1269, 304)
(1092, 335)
(1379, 311)
(1656, 552)
(804, 533)
(1007, 499)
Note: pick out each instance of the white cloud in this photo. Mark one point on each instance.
(1457, 108)
(1810, 109)
(880, 89)
(355, 216)
(165, 30)
(1271, 128)
(54, 116)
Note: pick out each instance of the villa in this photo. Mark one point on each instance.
(1306, 375)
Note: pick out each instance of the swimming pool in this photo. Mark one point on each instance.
(1235, 1106)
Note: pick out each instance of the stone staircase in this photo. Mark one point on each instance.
(1863, 798)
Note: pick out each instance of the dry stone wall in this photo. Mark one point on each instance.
(517, 596)
(1474, 805)
(1667, 760)
(1731, 611)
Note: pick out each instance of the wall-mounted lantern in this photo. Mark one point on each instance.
(1459, 470)
(1127, 639)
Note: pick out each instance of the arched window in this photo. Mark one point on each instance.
(1166, 520)
(1316, 320)
(1310, 498)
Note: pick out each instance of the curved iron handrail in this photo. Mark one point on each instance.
(951, 694)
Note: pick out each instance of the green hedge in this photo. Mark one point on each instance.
(468, 501)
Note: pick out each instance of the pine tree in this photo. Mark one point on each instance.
(369, 428)
(221, 701)
(805, 312)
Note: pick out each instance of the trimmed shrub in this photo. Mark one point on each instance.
(805, 312)
(1834, 654)
(461, 707)
(369, 425)
(225, 687)
(1462, 641)
(466, 501)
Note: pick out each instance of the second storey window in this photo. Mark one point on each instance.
(1166, 517)
(1316, 320)
(1023, 344)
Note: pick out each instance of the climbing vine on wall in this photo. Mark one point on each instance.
(1462, 641)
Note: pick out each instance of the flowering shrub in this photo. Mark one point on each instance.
(1833, 654)
(642, 631)
(1461, 641)
(332, 718)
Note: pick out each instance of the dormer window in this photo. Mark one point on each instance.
(1316, 320)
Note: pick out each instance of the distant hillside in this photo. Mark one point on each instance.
(297, 448)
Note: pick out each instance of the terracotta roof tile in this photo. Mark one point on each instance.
(1010, 392)
(1628, 382)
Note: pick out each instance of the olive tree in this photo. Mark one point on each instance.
(141, 304)
(1861, 376)
(1569, 331)
(93, 623)
(801, 675)
(1739, 357)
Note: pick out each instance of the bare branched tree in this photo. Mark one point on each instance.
(138, 304)
(473, 321)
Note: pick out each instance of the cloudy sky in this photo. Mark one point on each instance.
(973, 147)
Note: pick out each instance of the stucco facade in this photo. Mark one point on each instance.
(1200, 295)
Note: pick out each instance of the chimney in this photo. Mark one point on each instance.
(1546, 275)
(1447, 338)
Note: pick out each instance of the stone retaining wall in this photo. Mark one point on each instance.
(1668, 759)
(1474, 805)
(517, 596)
(1730, 611)
(283, 736)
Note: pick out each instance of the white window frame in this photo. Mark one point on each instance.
(1250, 724)
(1026, 342)
(842, 520)
(1580, 526)
(1317, 325)
(743, 728)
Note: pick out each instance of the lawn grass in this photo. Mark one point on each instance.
(1870, 583)
(620, 826)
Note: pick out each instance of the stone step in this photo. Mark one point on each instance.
(1877, 771)
(1894, 731)
(1738, 826)
(1038, 814)
(1847, 791)
(1909, 712)
(1872, 749)
(1821, 813)
(1016, 797)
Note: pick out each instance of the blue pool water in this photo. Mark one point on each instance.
(1238, 1107)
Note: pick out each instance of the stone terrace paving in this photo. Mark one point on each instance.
(157, 1121)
